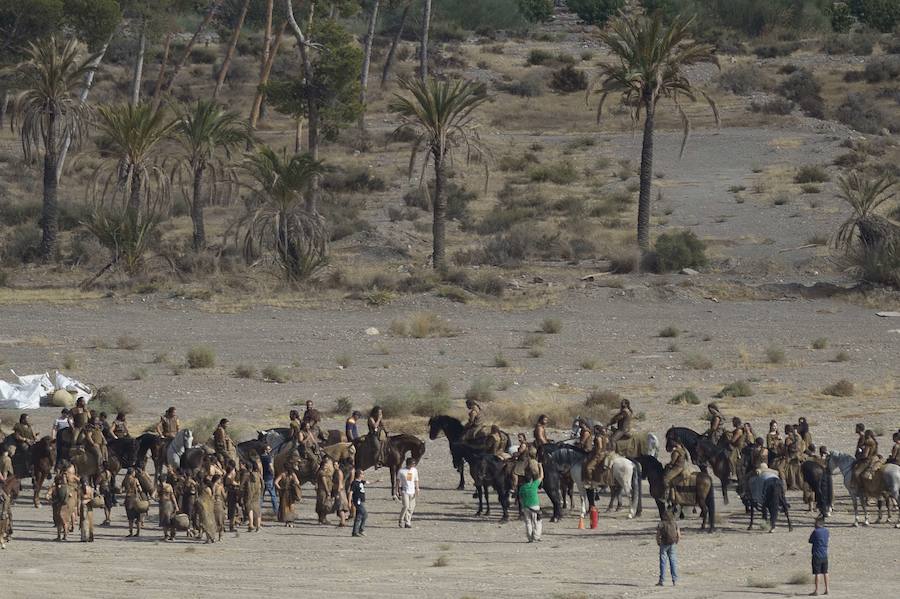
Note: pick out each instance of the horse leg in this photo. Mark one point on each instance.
(485, 492)
(503, 498)
(855, 509)
(462, 478)
(724, 490)
(38, 482)
(865, 508)
(752, 512)
(787, 515)
(661, 507)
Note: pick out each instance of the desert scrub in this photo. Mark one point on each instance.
(201, 356)
(841, 356)
(811, 174)
(110, 400)
(669, 331)
(244, 371)
(275, 374)
(532, 340)
(481, 389)
(138, 374)
(421, 325)
(500, 361)
(674, 251)
(588, 364)
(344, 406)
(775, 355)
(736, 389)
(551, 326)
(697, 362)
(608, 399)
(842, 388)
(685, 397)
(344, 360)
(820, 343)
(128, 342)
(70, 362)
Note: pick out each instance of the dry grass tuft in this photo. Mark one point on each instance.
(441, 562)
(697, 362)
(421, 325)
(532, 340)
(110, 400)
(201, 356)
(70, 362)
(841, 356)
(820, 343)
(608, 399)
(481, 390)
(551, 326)
(589, 364)
(842, 388)
(245, 371)
(799, 578)
(685, 397)
(775, 355)
(344, 360)
(275, 374)
(669, 331)
(128, 342)
(736, 389)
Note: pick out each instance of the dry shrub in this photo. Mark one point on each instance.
(820, 343)
(275, 374)
(589, 364)
(532, 340)
(421, 325)
(775, 355)
(799, 578)
(669, 331)
(841, 356)
(551, 325)
(607, 399)
(525, 414)
(245, 371)
(481, 390)
(685, 397)
(403, 403)
(128, 342)
(736, 389)
(201, 356)
(344, 406)
(110, 400)
(697, 362)
(70, 362)
(842, 388)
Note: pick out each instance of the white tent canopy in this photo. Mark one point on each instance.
(27, 393)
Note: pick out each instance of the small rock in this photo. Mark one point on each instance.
(689, 271)
(372, 331)
(537, 280)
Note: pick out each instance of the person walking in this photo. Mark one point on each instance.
(819, 540)
(268, 476)
(358, 498)
(407, 486)
(667, 536)
(531, 505)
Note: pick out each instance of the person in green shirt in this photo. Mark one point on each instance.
(531, 505)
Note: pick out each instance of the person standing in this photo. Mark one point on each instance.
(251, 492)
(268, 476)
(819, 540)
(351, 431)
(61, 423)
(667, 536)
(531, 504)
(408, 490)
(358, 498)
(86, 510)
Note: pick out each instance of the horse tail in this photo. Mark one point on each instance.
(636, 478)
(827, 487)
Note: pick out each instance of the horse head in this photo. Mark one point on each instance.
(434, 427)
(188, 438)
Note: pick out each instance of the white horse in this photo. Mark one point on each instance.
(626, 475)
(180, 443)
(891, 485)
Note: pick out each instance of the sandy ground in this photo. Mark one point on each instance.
(483, 559)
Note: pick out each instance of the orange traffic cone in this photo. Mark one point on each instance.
(580, 522)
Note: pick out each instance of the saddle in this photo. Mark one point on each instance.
(683, 489)
(628, 445)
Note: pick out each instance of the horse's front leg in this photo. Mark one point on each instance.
(486, 493)
(752, 512)
(462, 478)
(503, 498)
(787, 515)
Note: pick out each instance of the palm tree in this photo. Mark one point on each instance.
(206, 132)
(864, 196)
(132, 135)
(439, 115)
(48, 113)
(650, 61)
(278, 221)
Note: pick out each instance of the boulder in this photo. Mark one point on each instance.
(62, 399)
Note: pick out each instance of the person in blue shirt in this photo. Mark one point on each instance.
(268, 476)
(819, 540)
(350, 430)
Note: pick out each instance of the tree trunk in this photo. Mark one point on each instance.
(298, 133)
(267, 37)
(440, 213)
(139, 66)
(256, 109)
(229, 54)
(157, 89)
(312, 108)
(646, 177)
(197, 209)
(187, 50)
(367, 60)
(88, 83)
(389, 61)
(423, 50)
(50, 209)
(134, 200)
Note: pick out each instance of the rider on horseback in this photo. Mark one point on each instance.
(895, 450)
(474, 423)
(675, 468)
(868, 461)
(622, 422)
(716, 423)
(168, 425)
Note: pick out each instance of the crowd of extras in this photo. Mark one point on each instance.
(224, 489)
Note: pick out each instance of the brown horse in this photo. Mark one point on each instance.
(65, 505)
(396, 448)
(42, 457)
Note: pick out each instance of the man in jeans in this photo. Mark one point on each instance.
(531, 506)
(268, 476)
(358, 499)
(407, 486)
(667, 536)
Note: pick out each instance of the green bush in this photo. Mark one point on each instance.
(561, 173)
(776, 50)
(745, 79)
(530, 86)
(674, 251)
(536, 11)
(736, 389)
(885, 68)
(687, 396)
(856, 44)
(355, 180)
(538, 56)
(883, 15)
(595, 12)
(861, 113)
(201, 356)
(22, 245)
(803, 88)
(568, 80)
(811, 174)
(203, 55)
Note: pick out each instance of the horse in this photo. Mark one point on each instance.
(21, 460)
(625, 474)
(395, 450)
(818, 479)
(696, 489)
(487, 471)
(703, 453)
(178, 446)
(454, 430)
(636, 444)
(562, 459)
(766, 492)
(11, 488)
(42, 458)
(153, 445)
(569, 459)
(884, 485)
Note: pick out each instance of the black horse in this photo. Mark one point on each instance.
(819, 480)
(704, 453)
(454, 430)
(652, 471)
(488, 471)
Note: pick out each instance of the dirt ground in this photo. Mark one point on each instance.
(449, 552)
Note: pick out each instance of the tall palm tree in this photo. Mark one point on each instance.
(208, 134)
(48, 113)
(132, 135)
(439, 115)
(278, 222)
(650, 58)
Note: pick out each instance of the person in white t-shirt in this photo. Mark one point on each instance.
(407, 486)
(62, 422)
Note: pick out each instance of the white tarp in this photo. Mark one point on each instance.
(27, 393)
